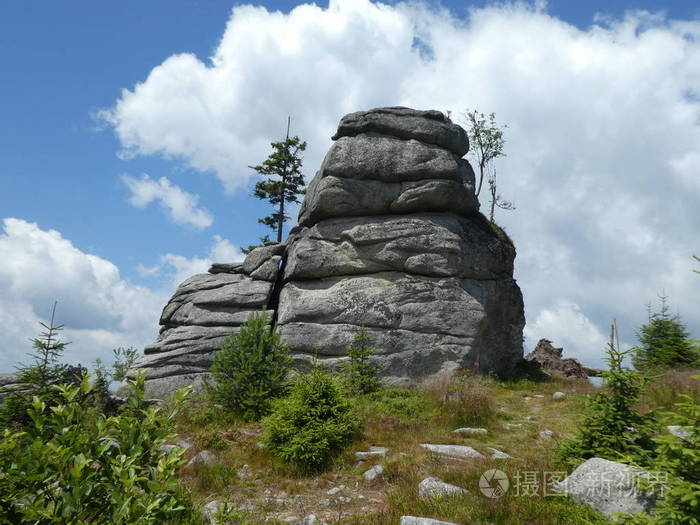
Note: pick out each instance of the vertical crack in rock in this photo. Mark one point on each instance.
(390, 237)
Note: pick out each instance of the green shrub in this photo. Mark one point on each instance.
(399, 405)
(73, 465)
(612, 428)
(680, 460)
(360, 374)
(664, 343)
(312, 426)
(251, 369)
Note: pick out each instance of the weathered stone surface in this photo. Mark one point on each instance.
(550, 360)
(373, 452)
(373, 473)
(386, 159)
(471, 431)
(226, 267)
(608, 487)
(430, 244)
(414, 520)
(431, 127)
(204, 310)
(260, 255)
(389, 238)
(458, 451)
(331, 197)
(434, 487)
(420, 325)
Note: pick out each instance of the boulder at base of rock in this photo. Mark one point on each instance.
(458, 451)
(608, 487)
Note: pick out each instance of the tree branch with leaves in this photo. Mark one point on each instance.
(486, 144)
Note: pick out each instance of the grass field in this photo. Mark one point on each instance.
(513, 412)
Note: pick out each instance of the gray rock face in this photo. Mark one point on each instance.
(431, 127)
(389, 238)
(608, 487)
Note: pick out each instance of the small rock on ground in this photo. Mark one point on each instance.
(497, 454)
(413, 520)
(372, 452)
(460, 451)
(308, 520)
(431, 487)
(203, 458)
(558, 395)
(467, 430)
(373, 473)
(546, 434)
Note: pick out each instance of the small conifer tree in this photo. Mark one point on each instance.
(360, 374)
(251, 369)
(314, 424)
(612, 428)
(664, 343)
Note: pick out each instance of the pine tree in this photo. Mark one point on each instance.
(360, 374)
(251, 369)
(284, 181)
(664, 343)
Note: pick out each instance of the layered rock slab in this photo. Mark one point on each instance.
(205, 309)
(389, 238)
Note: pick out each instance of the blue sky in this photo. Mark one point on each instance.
(75, 149)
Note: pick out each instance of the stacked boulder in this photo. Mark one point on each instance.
(205, 309)
(389, 238)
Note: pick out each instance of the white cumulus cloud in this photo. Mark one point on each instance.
(99, 309)
(178, 267)
(180, 205)
(602, 140)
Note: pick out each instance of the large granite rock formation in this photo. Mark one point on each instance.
(389, 238)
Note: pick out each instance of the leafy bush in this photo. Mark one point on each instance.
(75, 466)
(680, 459)
(612, 428)
(361, 375)
(664, 343)
(251, 369)
(312, 426)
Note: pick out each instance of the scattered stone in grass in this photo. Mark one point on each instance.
(414, 520)
(371, 453)
(527, 398)
(608, 487)
(510, 426)
(467, 430)
(308, 520)
(210, 510)
(434, 487)
(335, 490)
(167, 448)
(538, 395)
(546, 434)
(203, 458)
(184, 443)
(497, 454)
(679, 431)
(461, 451)
(558, 395)
(373, 473)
